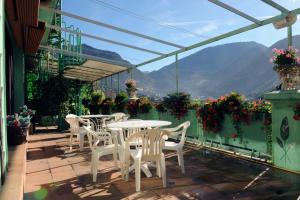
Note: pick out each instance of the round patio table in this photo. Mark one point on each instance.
(98, 120)
(139, 124)
(115, 127)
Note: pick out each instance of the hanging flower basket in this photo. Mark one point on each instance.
(287, 65)
(131, 89)
(289, 76)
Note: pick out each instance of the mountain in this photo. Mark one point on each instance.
(211, 72)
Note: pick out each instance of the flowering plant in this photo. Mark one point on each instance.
(211, 114)
(144, 105)
(285, 57)
(106, 106)
(130, 84)
(297, 112)
(21, 119)
(177, 104)
(132, 108)
(160, 107)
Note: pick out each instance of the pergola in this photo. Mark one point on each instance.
(96, 68)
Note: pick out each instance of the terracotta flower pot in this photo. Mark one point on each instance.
(17, 135)
(132, 92)
(289, 76)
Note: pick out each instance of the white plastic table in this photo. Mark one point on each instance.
(116, 126)
(139, 124)
(94, 116)
(98, 120)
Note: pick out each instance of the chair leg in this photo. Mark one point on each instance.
(163, 170)
(180, 156)
(71, 140)
(94, 163)
(158, 168)
(137, 166)
(115, 157)
(81, 141)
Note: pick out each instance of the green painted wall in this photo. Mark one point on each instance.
(3, 87)
(285, 144)
(253, 139)
(19, 78)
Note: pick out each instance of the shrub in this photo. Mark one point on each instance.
(177, 104)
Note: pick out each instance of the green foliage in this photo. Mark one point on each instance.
(160, 107)
(177, 104)
(144, 105)
(95, 102)
(106, 106)
(33, 90)
(211, 114)
(50, 95)
(120, 101)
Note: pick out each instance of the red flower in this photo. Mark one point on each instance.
(296, 117)
(234, 135)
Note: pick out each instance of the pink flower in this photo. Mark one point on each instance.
(272, 59)
(288, 55)
(274, 50)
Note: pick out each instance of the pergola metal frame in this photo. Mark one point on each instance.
(255, 24)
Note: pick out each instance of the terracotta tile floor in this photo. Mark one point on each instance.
(55, 173)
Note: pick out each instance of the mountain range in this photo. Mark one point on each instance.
(243, 67)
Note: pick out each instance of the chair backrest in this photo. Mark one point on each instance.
(97, 138)
(73, 120)
(180, 130)
(118, 116)
(149, 141)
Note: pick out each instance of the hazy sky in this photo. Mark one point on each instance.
(183, 22)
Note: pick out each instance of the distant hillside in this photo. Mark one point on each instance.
(243, 67)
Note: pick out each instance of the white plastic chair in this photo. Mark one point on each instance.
(118, 116)
(75, 129)
(101, 144)
(178, 147)
(149, 148)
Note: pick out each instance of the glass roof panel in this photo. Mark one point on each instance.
(254, 8)
(289, 4)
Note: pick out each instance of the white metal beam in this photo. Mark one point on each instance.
(70, 53)
(103, 39)
(98, 23)
(235, 11)
(225, 35)
(276, 5)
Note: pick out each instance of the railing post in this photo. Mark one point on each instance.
(177, 76)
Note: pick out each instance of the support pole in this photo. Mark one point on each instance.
(111, 86)
(290, 36)
(118, 83)
(177, 81)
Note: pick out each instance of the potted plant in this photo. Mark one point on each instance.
(18, 126)
(287, 66)
(177, 104)
(145, 105)
(120, 101)
(106, 106)
(131, 88)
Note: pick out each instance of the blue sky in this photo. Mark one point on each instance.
(200, 17)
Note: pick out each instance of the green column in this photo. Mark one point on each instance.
(3, 131)
(19, 78)
(177, 75)
(285, 130)
(290, 36)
